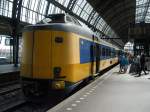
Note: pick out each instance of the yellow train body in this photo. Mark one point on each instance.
(41, 54)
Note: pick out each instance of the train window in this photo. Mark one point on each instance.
(114, 53)
(0, 39)
(106, 52)
(7, 42)
(100, 50)
(109, 53)
(76, 21)
(72, 20)
(58, 39)
(68, 19)
(46, 20)
(53, 18)
(103, 51)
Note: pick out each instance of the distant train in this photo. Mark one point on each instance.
(59, 52)
(5, 50)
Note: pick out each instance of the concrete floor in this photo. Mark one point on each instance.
(113, 93)
(8, 69)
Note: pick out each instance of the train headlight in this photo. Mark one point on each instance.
(58, 39)
(57, 71)
(58, 85)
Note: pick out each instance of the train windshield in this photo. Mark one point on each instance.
(53, 18)
(59, 18)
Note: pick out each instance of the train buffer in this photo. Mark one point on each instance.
(112, 92)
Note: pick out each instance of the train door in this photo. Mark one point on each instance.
(97, 55)
(92, 58)
(42, 48)
(60, 56)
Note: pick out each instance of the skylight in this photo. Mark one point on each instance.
(142, 11)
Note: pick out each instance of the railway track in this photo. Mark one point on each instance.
(10, 96)
(13, 100)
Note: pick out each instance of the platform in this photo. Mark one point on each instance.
(8, 69)
(9, 73)
(113, 92)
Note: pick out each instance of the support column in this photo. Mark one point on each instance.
(15, 25)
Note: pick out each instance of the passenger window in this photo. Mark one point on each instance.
(109, 52)
(76, 22)
(0, 39)
(106, 52)
(68, 19)
(100, 50)
(103, 51)
(7, 42)
(114, 53)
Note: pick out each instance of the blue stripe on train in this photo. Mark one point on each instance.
(85, 51)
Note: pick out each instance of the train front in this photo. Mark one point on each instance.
(37, 71)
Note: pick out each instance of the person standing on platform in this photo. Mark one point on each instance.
(126, 63)
(123, 63)
(137, 64)
(142, 63)
(120, 62)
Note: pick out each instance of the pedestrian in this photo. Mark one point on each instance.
(142, 64)
(120, 63)
(126, 63)
(123, 62)
(133, 65)
(147, 66)
(137, 64)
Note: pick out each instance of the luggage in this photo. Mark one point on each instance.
(132, 68)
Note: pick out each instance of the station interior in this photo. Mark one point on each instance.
(74, 55)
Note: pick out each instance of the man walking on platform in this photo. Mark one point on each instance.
(142, 64)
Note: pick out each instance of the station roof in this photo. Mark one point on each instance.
(142, 11)
(33, 11)
(118, 14)
(110, 17)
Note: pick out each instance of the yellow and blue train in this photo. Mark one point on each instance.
(59, 52)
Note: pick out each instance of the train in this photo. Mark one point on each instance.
(59, 52)
(5, 50)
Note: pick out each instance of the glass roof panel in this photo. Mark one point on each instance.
(32, 11)
(54, 10)
(6, 8)
(147, 18)
(86, 11)
(142, 9)
(63, 2)
(79, 6)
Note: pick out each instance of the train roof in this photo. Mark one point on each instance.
(67, 23)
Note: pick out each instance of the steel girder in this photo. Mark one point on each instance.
(145, 11)
(116, 13)
(15, 25)
(71, 13)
